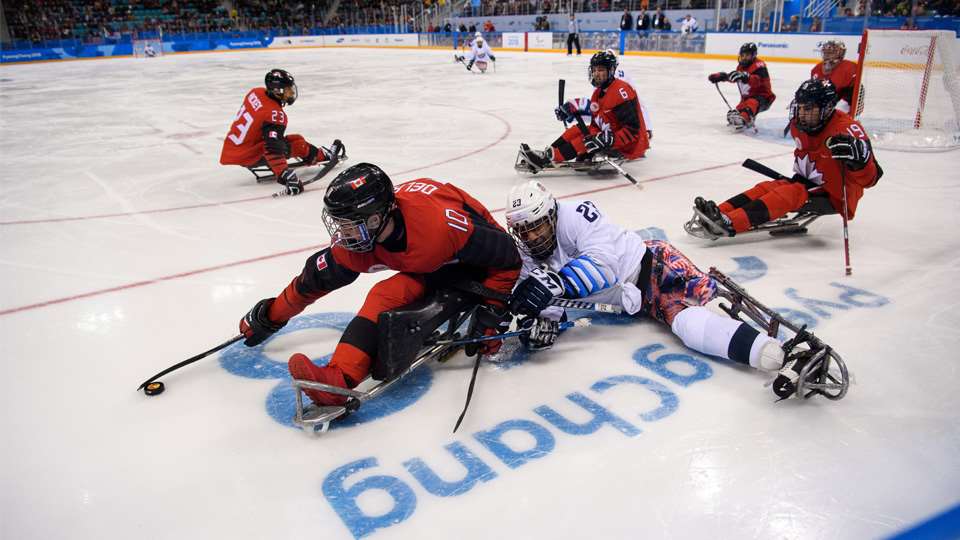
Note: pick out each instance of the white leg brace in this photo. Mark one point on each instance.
(710, 333)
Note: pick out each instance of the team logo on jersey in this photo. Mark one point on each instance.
(807, 168)
(355, 184)
(594, 107)
(322, 262)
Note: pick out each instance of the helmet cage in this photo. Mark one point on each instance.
(356, 232)
(544, 242)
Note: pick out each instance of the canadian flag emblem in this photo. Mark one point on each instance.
(355, 184)
(322, 262)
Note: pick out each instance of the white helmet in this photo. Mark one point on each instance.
(532, 218)
(478, 35)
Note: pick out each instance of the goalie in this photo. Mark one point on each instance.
(753, 81)
(842, 73)
(833, 164)
(570, 250)
(257, 140)
(616, 126)
(479, 54)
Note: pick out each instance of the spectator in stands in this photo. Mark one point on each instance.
(793, 25)
(908, 24)
(658, 21)
(462, 28)
(643, 22)
(489, 27)
(815, 26)
(689, 25)
(472, 29)
(626, 21)
(723, 26)
(847, 12)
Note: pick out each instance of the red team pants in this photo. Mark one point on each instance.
(256, 154)
(570, 144)
(764, 202)
(750, 107)
(396, 291)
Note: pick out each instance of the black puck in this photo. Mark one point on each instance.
(153, 388)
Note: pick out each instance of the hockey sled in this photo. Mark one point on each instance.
(823, 372)
(794, 223)
(262, 172)
(595, 164)
(409, 337)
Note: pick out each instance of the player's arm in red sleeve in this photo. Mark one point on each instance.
(490, 247)
(322, 274)
(759, 79)
(627, 113)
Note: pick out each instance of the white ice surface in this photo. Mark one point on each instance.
(101, 288)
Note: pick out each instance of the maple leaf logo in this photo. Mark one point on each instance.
(807, 168)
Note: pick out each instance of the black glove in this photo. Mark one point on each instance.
(534, 293)
(717, 77)
(601, 140)
(567, 112)
(543, 333)
(488, 320)
(470, 65)
(852, 152)
(493, 58)
(737, 76)
(256, 324)
(293, 183)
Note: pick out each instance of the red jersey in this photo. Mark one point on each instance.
(758, 83)
(441, 225)
(843, 76)
(259, 117)
(617, 108)
(813, 161)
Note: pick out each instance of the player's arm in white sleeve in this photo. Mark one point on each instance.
(595, 266)
(488, 51)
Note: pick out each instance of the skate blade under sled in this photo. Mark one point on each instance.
(823, 371)
(701, 226)
(595, 164)
(408, 339)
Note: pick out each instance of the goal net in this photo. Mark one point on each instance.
(908, 95)
(147, 48)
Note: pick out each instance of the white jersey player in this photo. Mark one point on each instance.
(479, 53)
(622, 75)
(571, 250)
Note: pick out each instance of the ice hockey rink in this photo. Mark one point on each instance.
(127, 248)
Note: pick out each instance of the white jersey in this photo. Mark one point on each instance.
(583, 231)
(480, 53)
(622, 75)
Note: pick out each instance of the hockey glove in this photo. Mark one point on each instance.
(601, 140)
(543, 333)
(488, 320)
(852, 152)
(256, 325)
(717, 77)
(470, 65)
(534, 293)
(737, 76)
(493, 58)
(567, 112)
(293, 183)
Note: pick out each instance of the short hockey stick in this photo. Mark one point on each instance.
(846, 232)
(336, 149)
(723, 97)
(191, 360)
(756, 166)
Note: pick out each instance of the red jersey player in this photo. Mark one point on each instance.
(616, 120)
(842, 73)
(256, 136)
(417, 229)
(833, 152)
(753, 80)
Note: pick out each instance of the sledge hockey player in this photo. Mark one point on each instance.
(753, 81)
(256, 137)
(423, 229)
(571, 250)
(479, 53)
(842, 73)
(833, 163)
(616, 125)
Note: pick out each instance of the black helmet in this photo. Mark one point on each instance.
(604, 59)
(356, 205)
(277, 81)
(750, 49)
(817, 92)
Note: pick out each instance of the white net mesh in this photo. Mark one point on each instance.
(910, 95)
(147, 48)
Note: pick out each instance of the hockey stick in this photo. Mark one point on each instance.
(191, 360)
(473, 287)
(336, 149)
(756, 166)
(723, 97)
(561, 86)
(846, 233)
(579, 323)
